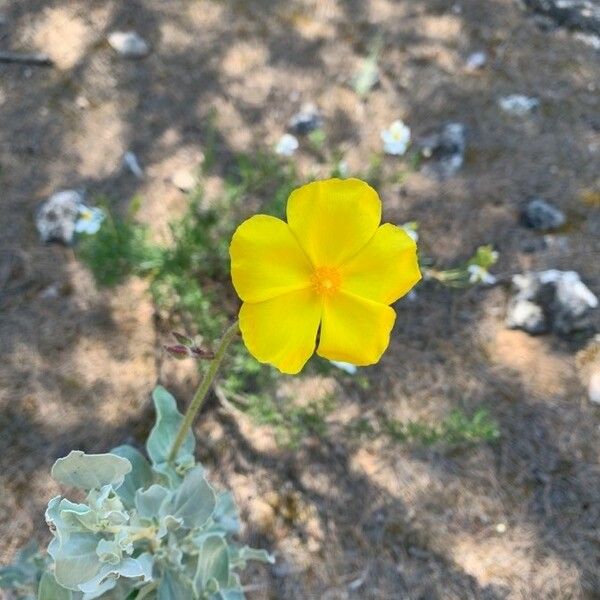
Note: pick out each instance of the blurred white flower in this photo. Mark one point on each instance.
(479, 274)
(344, 366)
(89, 219)
(412, 229)
(287, 145)
(396, 138)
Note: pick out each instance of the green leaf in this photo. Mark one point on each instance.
(162, 436)
(174, 587)
(139, 477)
(75, 559)
(213, 563)
(148, 502)
(195, 500)
(90, 471)
(225, 514)
(242, 555)
(229, 594)
(50, 590)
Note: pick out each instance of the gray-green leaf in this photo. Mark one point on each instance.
(139, 477)
(162, 436)
(213, 563)
(195, 500)
(173, 587)
(50, 590)
(90, 471)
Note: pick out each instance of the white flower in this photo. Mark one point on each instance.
(396, 138)
(478, 274)
(287, 145)
(344, 366)
(88, 219)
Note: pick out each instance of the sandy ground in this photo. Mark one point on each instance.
(516, 519)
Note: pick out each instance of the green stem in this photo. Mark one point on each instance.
(203, 389)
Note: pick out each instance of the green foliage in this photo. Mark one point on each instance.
(367, 76)
(291, 423)
(456, 429)
(120, 248)
(23, 575)
(168, 539)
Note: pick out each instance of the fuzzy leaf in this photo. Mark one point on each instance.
(194, 502)
(162, 436)
(90, 471)
(148, 502)
(50, 590)
(173, 587)
(75, 559)
(139, 477)
(213, 563)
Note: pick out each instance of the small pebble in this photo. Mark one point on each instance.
(594, 388)
(501, 528)
(128, 44)
(306, 120)
(518, 104)
(543, 216)
(131, 162)
(184, 180)
(476, 61)
(444, 150)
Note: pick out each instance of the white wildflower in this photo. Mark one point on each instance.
(396, 138)
(287, 145)
(89, 219)
(478, 274)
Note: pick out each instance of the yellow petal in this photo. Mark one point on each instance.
(266, 260)
(282, 331)
(385, 269)
(355, 330)
(333, 218)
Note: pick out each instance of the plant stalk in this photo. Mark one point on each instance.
(203, 389)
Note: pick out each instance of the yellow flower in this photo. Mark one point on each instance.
(331, 271)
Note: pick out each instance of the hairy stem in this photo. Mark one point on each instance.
(203, 389)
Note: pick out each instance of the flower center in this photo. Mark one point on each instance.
(326, 280)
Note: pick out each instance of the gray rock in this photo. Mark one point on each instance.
(444, 151)
(581, 15)
(550, 300)
(55, 219)
(543, 216)
(128, 44)
(306, 120)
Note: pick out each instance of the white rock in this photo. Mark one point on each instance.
(184, 180)
(476, 61)
(128, 44)
(518, 105)
(594, 388)
(56, 218)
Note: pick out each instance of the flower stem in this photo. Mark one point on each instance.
(203, 389)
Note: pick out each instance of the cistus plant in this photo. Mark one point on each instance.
(152, 527)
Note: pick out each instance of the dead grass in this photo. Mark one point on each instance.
(373, 521)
